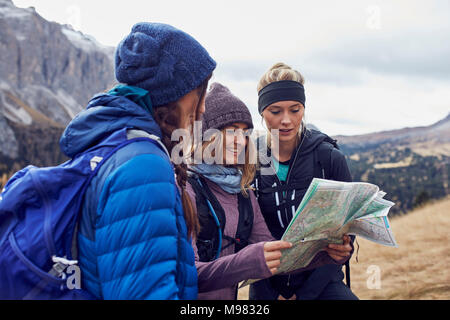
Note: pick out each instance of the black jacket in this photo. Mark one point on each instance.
(317, 156)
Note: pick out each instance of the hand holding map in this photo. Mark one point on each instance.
(331, 209)
(328, 211)
(340, 251)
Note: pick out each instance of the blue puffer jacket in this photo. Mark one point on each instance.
(132, 238)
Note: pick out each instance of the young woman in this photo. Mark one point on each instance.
(234, 243)
(132, 240)
(238, 246)
(301, 155)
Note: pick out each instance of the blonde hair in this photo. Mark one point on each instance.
(278, 72)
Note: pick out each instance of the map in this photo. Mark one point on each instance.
(329, 210)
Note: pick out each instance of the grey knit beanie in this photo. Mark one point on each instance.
(222, 108)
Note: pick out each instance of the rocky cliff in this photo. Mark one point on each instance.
(48, 72)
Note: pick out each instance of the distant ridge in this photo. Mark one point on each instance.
(411, 164)
(438, 132)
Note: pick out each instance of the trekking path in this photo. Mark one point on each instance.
(418, 269)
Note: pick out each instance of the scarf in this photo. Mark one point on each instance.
(138, 95)
(228, 178)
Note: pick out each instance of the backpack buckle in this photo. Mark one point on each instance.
(61, 264)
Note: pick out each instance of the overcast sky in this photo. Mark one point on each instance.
(369, 65)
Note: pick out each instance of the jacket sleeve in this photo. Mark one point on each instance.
(227, 271)
(339, 167)
(136, 231)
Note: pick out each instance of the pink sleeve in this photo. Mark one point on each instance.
(248, 263)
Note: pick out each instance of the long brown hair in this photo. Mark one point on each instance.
(169, 118)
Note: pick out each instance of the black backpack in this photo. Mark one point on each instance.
(212, 220)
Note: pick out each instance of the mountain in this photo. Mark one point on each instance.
(48, 73)
(434, 139)
(412, 164)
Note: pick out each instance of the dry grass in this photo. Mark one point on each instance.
(418, 269)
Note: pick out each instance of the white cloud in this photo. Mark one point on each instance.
(381, 103)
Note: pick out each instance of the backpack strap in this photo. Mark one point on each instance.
(212, 221)
(322, 156)
(96, 163)
(245, 224)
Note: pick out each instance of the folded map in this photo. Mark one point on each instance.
(329, 210)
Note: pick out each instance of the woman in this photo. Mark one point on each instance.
(132, 240)
(234, 243)
(225, 184)
(299, 154)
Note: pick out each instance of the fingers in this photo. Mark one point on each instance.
(272, 260)
(274, 264)
(272, 253)
(340, 251)
(344, 248)
(273, 270)
(276, 245)
(337, 255)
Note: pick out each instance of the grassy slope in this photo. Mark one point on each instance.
(419, 268)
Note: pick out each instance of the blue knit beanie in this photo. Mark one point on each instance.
(163, 60)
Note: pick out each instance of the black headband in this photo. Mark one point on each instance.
(284, 90)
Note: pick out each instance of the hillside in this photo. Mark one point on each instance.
(417, 269)
(411, 164)
(48, 73)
